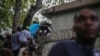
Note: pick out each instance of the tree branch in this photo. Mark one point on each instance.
(32, 11)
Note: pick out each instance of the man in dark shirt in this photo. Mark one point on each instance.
(86, 27)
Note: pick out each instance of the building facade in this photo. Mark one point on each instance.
(62, 19)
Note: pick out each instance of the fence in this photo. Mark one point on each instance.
(56, 36)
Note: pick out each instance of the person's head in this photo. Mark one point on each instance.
(26, 52)
(8, 36)
(86, 24)
(19, 29)
(13, 32)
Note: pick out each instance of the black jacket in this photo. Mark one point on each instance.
(69, 48)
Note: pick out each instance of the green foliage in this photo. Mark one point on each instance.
(7, 12)
(25, 8)
(50, 3)
(36, 19)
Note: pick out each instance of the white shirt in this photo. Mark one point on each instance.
(26, 34)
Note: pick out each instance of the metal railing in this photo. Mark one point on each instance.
(56, 36)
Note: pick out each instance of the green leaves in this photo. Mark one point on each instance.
(36, 19)
(6, 14)
(7, 11)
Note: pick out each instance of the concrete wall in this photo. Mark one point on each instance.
(47, 48)
(65, 21)
(62, 22)
(62, 19)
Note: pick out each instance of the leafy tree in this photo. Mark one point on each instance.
(32, 11)
(16, 18)
(11, 16)
(6, 13)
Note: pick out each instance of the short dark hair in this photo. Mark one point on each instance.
(78, 13)
(19, 28)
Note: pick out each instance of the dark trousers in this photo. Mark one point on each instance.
(15, 52)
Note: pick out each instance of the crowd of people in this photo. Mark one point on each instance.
(23, 42)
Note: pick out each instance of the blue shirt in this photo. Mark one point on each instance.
(34, 28)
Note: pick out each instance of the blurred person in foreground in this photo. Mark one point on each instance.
(86, 27)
